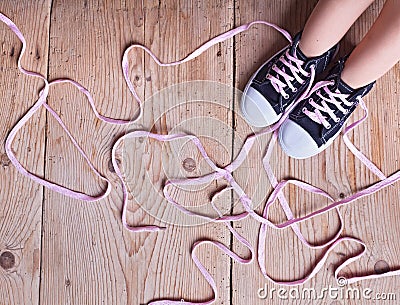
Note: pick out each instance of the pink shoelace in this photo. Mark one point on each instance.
(218, 172)
(335, 98)
(295, 65)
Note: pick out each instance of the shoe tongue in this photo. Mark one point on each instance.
(343, 87)
(300, 54)
(295, 49)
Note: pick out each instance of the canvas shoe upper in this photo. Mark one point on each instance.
(279, 82)
(318, 119)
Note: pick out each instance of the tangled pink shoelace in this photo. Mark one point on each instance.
(317, 113)
(295, 65)
(218, 172)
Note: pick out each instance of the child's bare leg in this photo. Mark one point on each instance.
(378, 51)
(328, 23)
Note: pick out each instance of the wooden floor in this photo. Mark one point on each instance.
(55, 250)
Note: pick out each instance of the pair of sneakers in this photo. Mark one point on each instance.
(317, 118)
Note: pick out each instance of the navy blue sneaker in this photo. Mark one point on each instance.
(279, 82)
(317, 120)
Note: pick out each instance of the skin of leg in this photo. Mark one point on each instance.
(328, 23)
(378, 51)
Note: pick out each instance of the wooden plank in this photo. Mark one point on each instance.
(372, 219)
(84, 247)
(88, 257)
(20, 198)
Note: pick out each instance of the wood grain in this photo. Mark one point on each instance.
(335, 170)
(88, 257)
(55, 250)
(20, 198)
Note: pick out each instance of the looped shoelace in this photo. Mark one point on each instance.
(335, 98)
(295, 65)
(225, 173)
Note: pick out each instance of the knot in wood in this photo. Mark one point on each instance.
(7, 260)
(189, 164)
(381, 267)
(4, 160)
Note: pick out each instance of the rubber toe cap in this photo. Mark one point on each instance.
(296, 142)
(257, 110)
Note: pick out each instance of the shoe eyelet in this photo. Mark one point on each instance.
(333, 82)
(304, 109)
(274, 66)
(294, 90)
(286, 96)
(346, 111)
(328, 126)
(337, 120)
